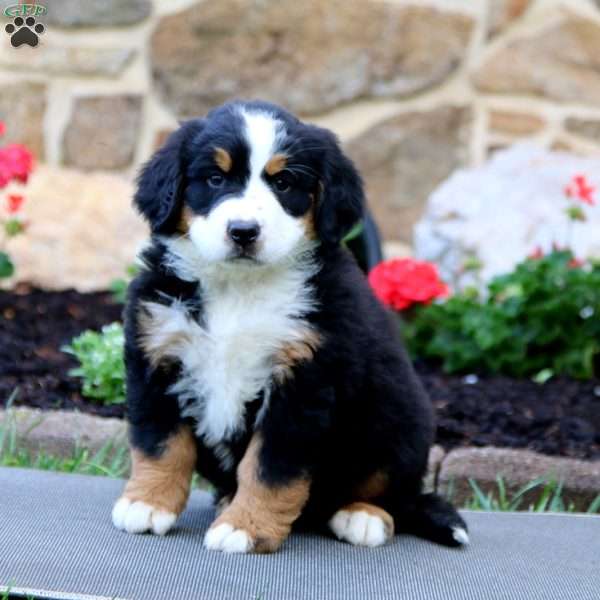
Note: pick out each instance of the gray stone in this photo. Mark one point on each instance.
(103, 132)
(309, 56)
(100, 13)
(60, 432)
(581, 479)
(515, 123)
(501, 14)
(54, 60)
(436, 456)
(404, 158)
(515, 202)
(587, 128)
(22, 109)
(561, 63)
(160, 137)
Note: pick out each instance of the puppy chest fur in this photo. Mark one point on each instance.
(230, 354)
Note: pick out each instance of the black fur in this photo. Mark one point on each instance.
(357, 407)
(341, 203)
(161, 181)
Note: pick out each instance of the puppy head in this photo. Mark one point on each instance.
(250, 183)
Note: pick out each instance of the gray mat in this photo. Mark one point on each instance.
(56, 534)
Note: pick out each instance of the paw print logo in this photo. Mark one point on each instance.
(24, 31)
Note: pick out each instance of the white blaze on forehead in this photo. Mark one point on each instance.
(281, 235)
(263, 133)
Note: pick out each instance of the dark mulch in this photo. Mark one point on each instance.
(34, 324)
(561, 417)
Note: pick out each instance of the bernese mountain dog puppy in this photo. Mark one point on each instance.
(256, 353)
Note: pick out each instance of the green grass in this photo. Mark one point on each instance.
(548, 497)
(112, 460)
(6, 595)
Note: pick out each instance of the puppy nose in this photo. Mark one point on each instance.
(243, 233)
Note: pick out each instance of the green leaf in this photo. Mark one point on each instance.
(576, 213)
(594, 507)
(6, 266)
(13, 227)
(101, 368)
(354, 232)
(542, 376)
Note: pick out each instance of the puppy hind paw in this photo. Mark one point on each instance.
(360, 528)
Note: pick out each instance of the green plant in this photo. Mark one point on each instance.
(549, 498)
(118, 287)
(101, 369)
(541, 319)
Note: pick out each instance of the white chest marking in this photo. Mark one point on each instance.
(227, 359)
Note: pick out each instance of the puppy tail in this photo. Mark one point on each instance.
(435, 519)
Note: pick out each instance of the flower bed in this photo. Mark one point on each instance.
(560, 417)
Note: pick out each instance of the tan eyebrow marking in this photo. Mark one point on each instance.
(276, 163)
(223, 159)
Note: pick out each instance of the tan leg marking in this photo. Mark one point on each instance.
(259, 517)
(223, 159)
(294, 353)
(158, 488)
(362, 524)
(373, 487)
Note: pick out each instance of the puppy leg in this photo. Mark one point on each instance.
(159, 487)
(362, 524)
(260, 516)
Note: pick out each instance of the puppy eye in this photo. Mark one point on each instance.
(282, 184)
(216, 181)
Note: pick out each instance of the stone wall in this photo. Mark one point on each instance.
(414, 88)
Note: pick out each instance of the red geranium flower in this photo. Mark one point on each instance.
(14, 203)
(576, 263)
(2, 128)
(537, 253)
(16, 162)
(402, 282)
(580, 188)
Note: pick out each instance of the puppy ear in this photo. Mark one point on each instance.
(160, 182)
(342, 198)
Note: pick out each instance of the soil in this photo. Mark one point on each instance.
(560, 417)
(34, 325)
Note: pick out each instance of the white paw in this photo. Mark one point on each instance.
(359, 528)
(228, 539)
(138, 517)
(460, 535)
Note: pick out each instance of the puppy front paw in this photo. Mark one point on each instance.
(139, 517)
(227, 538)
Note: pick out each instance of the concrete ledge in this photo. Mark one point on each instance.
(436, 458)
(581, 478)
(60, 432)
